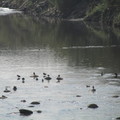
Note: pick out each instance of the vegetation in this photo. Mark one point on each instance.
(106, 11)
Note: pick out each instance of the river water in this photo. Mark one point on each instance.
(79, 52)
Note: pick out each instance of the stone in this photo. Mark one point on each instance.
(78, 95)
(35, 103)
(25, 112)
(39, 111)
(118, 118)
(93, 106)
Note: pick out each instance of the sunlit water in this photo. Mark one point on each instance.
(77, 52)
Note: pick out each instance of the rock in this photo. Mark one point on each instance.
(93, 106)
(35, 103)
(116, 96)
(23, 100)
(118, 118)
(78, 95)
(6, 90)
(31, 106)
(39, 111)
(25, 112)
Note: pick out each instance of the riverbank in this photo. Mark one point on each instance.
(104, 12)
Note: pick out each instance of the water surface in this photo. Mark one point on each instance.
(78, 52)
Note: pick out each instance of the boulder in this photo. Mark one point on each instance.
(93, 106)
(25, 112)
(39, 111)
(118, 118)
(35, 103)
(78, 95)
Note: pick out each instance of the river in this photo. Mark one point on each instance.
(79, 52)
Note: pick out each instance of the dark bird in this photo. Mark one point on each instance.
(44, 74)
(14, 88)
(48, 77)
(93, 89)
(116, 75)
(36, 79)
(102, 73)
(18, 76)
(23, 80)
(87, 85)
(59, 78)
(42, 80)
(34, 75)
(6, 89)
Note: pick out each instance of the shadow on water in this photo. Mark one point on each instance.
(80, 44)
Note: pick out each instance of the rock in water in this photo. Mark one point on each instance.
(118, 118)
(35, 103)
(25, 112)
(93, 106)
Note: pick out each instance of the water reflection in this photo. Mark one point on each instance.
(80, 44)
(78, 52)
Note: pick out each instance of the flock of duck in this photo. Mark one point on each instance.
(48, 78)
(34, 76)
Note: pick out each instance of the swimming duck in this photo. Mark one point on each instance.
(42, 80)
(6, 89)
(93, 89)
(3, 97)
(116, 75)
(14, 88)
(23, 80)
(48, 77)
(44, 73)
(34, 75)
(59, 78)
(18, 76)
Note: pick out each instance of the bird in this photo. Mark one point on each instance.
(3, 97)
(93, 89)
(36, 79)
(48, 77)
(116, 75)
(14, 88)
(23, 80)
(42, 80)
(102, 73)
(59, 78)
(44, 73)
(6, 89)
(87, 85)
(18, 76)
(34, 75)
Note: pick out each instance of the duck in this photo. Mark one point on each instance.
(3, 97)
(34, 75)
(102, 73)
(6, 89)
(44, 74)
(59, 78)
(42, 80)
(18, 76)
(14, 88)
(48, 77)
(93, 89)
(116, 75)
(87, 86)
(23, 80)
